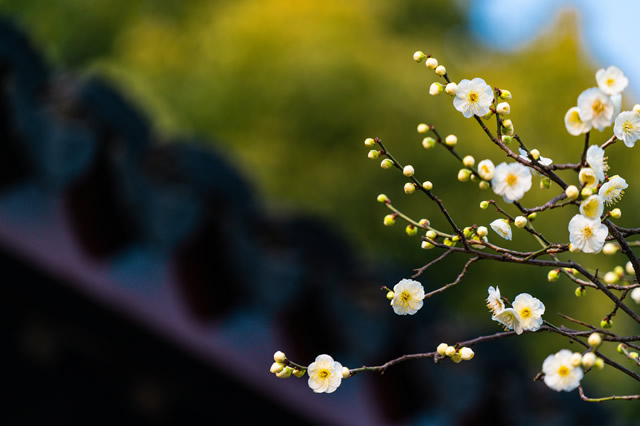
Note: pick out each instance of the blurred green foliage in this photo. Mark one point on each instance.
(290, 89)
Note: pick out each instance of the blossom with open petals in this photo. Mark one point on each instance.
(510, 319)
(588, 177)
(511, 181)
(612, 191)
(592, 207)
(587, 234)
(559, 373)
(494, 301)
(627, 127)
(325, 374)
(473, 97)
(597, 161)
(574, 124)
(502, 228)
(596, 107)
(407, 297)
(611, 81)
(529, 310)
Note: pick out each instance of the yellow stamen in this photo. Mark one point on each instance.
(563, 371)
(472, 97)
(512, 179)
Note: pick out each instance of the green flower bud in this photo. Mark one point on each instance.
(606, 323)
(505, 95)
(586, 192)
(411, 230)
(276, 367)
(483, 185)
(390, 295)
(484, 205)
(553, 275)
(545, 183)
(389, 220)
(463, 175)
(580, 291)
(369, 142)
(506, 139)
(432, 235)
(532, 216)
(427, 185)
(285, 373)
(373, 154)
(468, 232)
(423, 128)
(418, 56)
(428, 142)
(383, 199)
(298, 373)
(424, 223)
(427, 245)
(616, 213)
(409, 188)
(599, 363)
(386, 163)
(621, 347)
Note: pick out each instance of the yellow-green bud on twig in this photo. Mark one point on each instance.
(483, 184)
(466, 353)
(619, 271)
(464, 174)
(503, 108)
(606, 323)
(276, 367)
(484, 205)
(386, 163)
(432, 235)
(285, 373)
(535, 154)
(383, 198)
(451, 140)
(610, 249)
(588, 360)
(432, 63)
(450, 351)
(504, 95)
(520, 221)
(468, 161)
(532, 216)
(441, 70)
(428, 142)
(506, 139)
(611, 278)
(409, 188)
(298, 373)
(482, 231)
(594, 340)
(411, 230)
(279, 356)
(390, 295)
(553, 275)
(427, 185)
(545, 183)
(346, 373)
(450, 89)
(427, 245)
(408, 171)
(572, 192)
(616, 213)
(373, 154)
(442, 349)
(629, 268)
(586, 192)
(599, 363)
(389, 220)
(580, 291)
(573, 248)
(369, 142)
(435, 89)
(424, 222)
(418, 56)
(423, 128)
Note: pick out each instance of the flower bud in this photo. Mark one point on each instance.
(633, 355)
(466, 353)
(408, 171)
(508, 131)
(441, 70)
(373, 154)
(431, 63)
(620, 347)
(545, 183)
(428, 142)
(423, 128)
(442, 349)
(383, 199)
(553, 275)
(504, 95)
(573, 248)
(435, 89)
(285, 373)
(484, 205)
(276, 367)
(503, 108)
(448, 242)
(616, 213)
(611, 278)
(450, 351)
(386, 163)
(298, 373)
(576, 359)
(483, 184)
(482, 231)
(468, 161)
(463, 175)
(488, 115)
(588, 360)
(418, 56)
(456, 357)
(346, 373)
(594, 340)
(599, 363)
(606, 323)
(507, 124)
(629, 268)
(609, 249)
(586, 192)
(636, 108)
(535, 154)
(572, 192)
(390, 295)
(506, 139)
(426, 245)
(580, 291)
(411, 230)
(369, 142)
(619, 271)
(450, 89)
(532, 216)
(451, 140)
(520, 221)
(389, 220)
(427, 185)
(409, 188)
(279, 357)
(424, 223)
(432, 235)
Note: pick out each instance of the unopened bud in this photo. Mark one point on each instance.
(616, 213)
(450, 351)
(451, 140)
(503, 108)
(418, 56)
(450, 89)
(279, 357)
(586, 192)
(346, 373)
(507, 124)
(276, 367)
(619, 271)
(442, 349)
(383, 198)
(456, 357)
(599, 363)
(468, 161)
(424, 223)
(506, 139)
(545, 183)
(484, 205)
(408, 171)
(427, 245)
(428, 142)
(423, 128)
(386, 163)
(572, 192)
(576, 359)
(629, 268)
(588, 360)
(482, 231)
(595, 339)
(504, 95)
(606, 323)
(520, 221)
(535, 154)
(611, 278)
(373, 154)
(435, 89)
(411, 230)
(463, 175)
(553, 275)
(580, 291)
(409, 188)
(441, 70)
(431, 63)
(298, 373)
(369, 142)
(532, 216)
(573, 248)
(432, 235)
(285, 373)
(466, 353)
(483, 184)
(389, 220)
(390, 295)
(609, 249)
(427, 185)
(636, 108)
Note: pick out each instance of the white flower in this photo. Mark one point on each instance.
(542, 160)
(494, 301)
(529, 310)
(502, 228)
(407, 297)
(613, 190)
(486, 169)
(635, 294)
(588, 177)
(574, 124)
(325, 374)
(511, 181)
(559, 373)
(510, 319)
(596, 107)
(587, 234)
(612, 80)
(627, 127)
(592, 207)
(597, 161)
(473, 97)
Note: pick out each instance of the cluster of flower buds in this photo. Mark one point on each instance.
(456, 354)
(282, 369)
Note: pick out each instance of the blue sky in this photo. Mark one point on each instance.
(608, 29)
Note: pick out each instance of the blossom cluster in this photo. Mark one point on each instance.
(525, 312)
(325, 374)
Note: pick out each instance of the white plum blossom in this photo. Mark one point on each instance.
(635, 295)
(612, 191)
(510, 319)
(611, 81)
(587, 234)
(596, 107)
(502, 228)
(574, 124)
(592, 207)
(473, 98)
(597, 161)
(627, 127)
(486, 169)
(325, 374)
(529, 310)
(407, 297)
(559, 372)
(511, 181)
(494, 301)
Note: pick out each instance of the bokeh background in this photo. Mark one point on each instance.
(256, 112)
